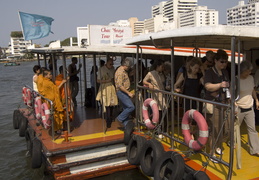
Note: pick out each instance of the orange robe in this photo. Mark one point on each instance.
(59, 79)
(39, 83)
(51, 92)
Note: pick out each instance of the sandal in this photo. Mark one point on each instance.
(219, 151)
(213, 160)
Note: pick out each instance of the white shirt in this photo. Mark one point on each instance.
(246, 88)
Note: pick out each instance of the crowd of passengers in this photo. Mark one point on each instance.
(207, 77)
(55, 91)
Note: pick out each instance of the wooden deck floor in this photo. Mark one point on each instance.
(88, 128)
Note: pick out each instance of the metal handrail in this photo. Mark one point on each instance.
(51, 108)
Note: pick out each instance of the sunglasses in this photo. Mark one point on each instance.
(222, 62)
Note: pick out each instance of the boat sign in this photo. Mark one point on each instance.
(108, 35)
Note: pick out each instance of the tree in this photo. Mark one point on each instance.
(66, 42)
(37, 46)
(17, 34)
(28, 56)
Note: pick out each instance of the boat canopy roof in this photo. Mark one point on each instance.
(201, 37)
(120, 49)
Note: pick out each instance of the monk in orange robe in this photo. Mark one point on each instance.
(51, 92)
(39, 83)
(39, 80)
(59, 82)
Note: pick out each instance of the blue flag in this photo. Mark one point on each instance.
(35, 26)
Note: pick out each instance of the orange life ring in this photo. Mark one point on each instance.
(24, 95)
(37, 107)
(28, 97)
(155, 119)
(203, 129)
(45, 116)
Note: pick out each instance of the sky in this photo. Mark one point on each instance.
(70, 14)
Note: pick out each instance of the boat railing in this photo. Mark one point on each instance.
(35, 94)
(169, 129)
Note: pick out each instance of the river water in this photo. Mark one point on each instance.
(14, 164)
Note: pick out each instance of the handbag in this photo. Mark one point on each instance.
(207, 108)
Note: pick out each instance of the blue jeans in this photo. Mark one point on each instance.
(127, 106)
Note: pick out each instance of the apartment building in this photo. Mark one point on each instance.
(199, 16)
(244, 14)
(172, 8)
(120, 23)
(155, 24)
(137, 26)
(18, 44)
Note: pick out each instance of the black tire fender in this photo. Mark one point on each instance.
(200, 175)
(23, 126)
(151, 152)
(128, 132)
(16, 118)
(29, 136)
(36, 158)
(134, 149)
(170, 165)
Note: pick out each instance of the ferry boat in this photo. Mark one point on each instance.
(160, 152)
(87, 149)
(11, 64)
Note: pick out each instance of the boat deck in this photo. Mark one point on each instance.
(86, 129)
(88, 132)
(77, 157)
(249, 163)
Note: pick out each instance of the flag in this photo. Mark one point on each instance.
(35, 26)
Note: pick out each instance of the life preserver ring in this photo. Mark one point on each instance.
(169, 166)
(203, 129)
(37, 107)
(151, 153)
(24, 95)
(155, 119)
(134, 149)
(45, 116)
(28, 97)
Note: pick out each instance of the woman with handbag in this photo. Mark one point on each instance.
(107, 93)
(245, 105)
(216, 83)
(190, 83)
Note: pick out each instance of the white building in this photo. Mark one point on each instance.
(120, 23)
(82, 36)
(17, 45)
(199, 16)
(137, 26)
(244, 14)
(154, 24)
(172, 8)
